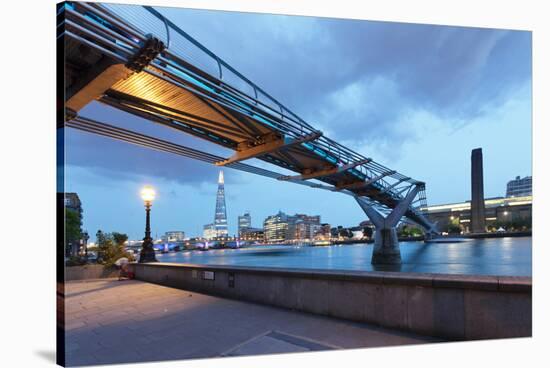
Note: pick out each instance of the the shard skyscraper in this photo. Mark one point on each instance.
(220, 219)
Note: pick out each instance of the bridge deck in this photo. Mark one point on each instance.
(186, 87)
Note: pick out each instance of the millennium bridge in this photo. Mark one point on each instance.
(136, 60)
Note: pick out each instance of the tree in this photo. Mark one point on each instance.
(367, 232)
(409, 231)
(120, 238)
(454, 226)
(345, 233)
(72, 229)
(454, 229)
(110, 247)
(521, 224)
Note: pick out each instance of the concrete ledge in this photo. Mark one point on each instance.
(447, 306)
(89, 272)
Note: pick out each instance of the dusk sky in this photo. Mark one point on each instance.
(416, 98)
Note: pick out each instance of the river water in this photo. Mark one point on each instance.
(501, 256)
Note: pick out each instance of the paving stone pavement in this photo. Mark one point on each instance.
(110, 321)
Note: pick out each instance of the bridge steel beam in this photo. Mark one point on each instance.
(388, 188)
(98, 86)
(267, 147)
(386, 245)
(362, 184)
(121, 65)
(327, 172)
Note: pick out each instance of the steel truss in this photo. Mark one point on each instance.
(183, 62)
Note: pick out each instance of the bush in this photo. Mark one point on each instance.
(454, 229)
(111, 247)
(409, 231)
(75, 261)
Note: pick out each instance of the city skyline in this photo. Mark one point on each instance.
(401, 102)
(259, 223)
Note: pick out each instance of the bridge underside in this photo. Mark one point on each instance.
(149, 75)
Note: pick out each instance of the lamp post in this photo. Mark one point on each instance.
(147, 251)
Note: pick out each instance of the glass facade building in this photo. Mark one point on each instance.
(174, 236)
(220, 218)
(520, 187)
(245, 222)
(282, 227)
(209, 231)
(275, 227)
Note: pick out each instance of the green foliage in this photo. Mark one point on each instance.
(409, 231)
(454, 229)
(119, 238)
(367, 232)
(514, 225)
(75, 261)
(345, 233)
(110, 247)
(454, 226)
(72, 227)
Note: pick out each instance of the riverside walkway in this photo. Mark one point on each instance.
(110, 321)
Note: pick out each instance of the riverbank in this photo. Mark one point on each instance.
(488, 235)
(515, 234)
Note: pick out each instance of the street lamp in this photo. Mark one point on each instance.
(147, 251)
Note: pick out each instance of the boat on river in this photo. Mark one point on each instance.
(446, 240)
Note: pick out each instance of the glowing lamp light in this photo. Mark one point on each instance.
(148, 193)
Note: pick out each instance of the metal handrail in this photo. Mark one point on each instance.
(286, 121)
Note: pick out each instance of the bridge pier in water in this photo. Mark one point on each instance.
(386, 244)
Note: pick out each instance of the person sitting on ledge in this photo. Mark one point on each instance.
(124, 272)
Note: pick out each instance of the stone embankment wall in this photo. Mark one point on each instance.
(446, 306)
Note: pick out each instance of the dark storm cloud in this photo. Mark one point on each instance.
(383, 69)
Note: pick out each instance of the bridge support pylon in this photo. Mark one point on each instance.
(386, 245)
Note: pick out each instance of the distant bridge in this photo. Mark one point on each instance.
(136, 60)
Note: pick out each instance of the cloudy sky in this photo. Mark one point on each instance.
(417, 98)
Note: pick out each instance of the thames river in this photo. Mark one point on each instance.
(502, 256)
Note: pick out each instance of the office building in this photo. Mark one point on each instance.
(218, 229)
(303, 227)
(498, 212)
(520, 187)
(72, 203)
(174, 236)
(245, 222)
(282, 227)
(252, 234)
(276, 227)
(220, 217)
(209, 231)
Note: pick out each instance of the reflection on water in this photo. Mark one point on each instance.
(504, 256)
